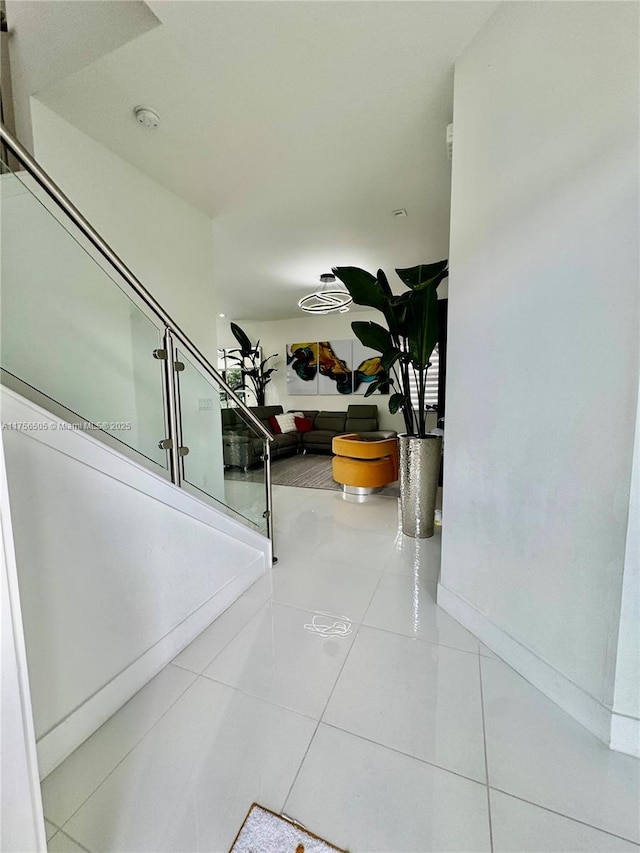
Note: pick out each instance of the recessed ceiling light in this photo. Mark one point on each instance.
(399, 213)
(222, 316)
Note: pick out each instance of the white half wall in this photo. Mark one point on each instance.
(118, 572)
(542, 377)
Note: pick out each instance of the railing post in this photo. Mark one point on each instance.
(172, 413)
(269, 498)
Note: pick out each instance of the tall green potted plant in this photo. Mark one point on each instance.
(406, 345)
(253, 368)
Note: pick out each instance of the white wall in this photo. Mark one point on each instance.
(274, 337)
(625, 726)
(118, 572)
(543, 327)
(166, 242)
(22, 822)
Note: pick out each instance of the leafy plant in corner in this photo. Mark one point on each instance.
(412, 332)
(247, 357)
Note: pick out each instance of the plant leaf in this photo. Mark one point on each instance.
(423, 326)
(372, 335)
(241, 337)
(363, 287)
(390, 357)
(384, 283)
(415, 277)
(395, 402)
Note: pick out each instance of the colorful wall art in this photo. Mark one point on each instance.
(331, 367)
(334, 367)
(366, 368)
(302, 368)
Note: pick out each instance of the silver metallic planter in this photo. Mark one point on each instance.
(419, 471)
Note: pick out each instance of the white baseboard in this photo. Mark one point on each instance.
(67, 736)
(573, 699)
(625, 734)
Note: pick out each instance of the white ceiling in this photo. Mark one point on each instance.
(297, 126)
(50, 40)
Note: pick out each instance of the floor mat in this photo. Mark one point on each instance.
(264, 831)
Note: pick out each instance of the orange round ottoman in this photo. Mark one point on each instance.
(364, 466)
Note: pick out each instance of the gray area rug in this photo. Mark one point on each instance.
(311, 471)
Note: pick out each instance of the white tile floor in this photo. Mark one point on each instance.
(336, 691)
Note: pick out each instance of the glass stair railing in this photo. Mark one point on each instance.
(81, 336)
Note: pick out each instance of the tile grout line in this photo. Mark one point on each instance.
(75, 841)
(305, 610)
(313, 736)
(484, 743)
(224, 612)
(566, 816)
(177, 666)
(231, 639)
(255, 696)
(420, 639)
(405, 754)
(295, 778)
(341, 729)
(137, 743)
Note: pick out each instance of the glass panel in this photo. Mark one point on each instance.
(69, 330)
(225, 459)
(232, 375)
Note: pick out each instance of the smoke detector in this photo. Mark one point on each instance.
(146, 116)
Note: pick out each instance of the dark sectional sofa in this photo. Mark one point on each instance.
(243, 448)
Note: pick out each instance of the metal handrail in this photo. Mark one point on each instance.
(54, 192)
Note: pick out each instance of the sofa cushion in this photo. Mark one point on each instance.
(265, 412)
(357, 410)
(361, 418)
(286, 439)
(319, 436)
(274, 426)
(332, 421)
(287, 423)
(307, 413)
(303, 424)
(361, 424)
